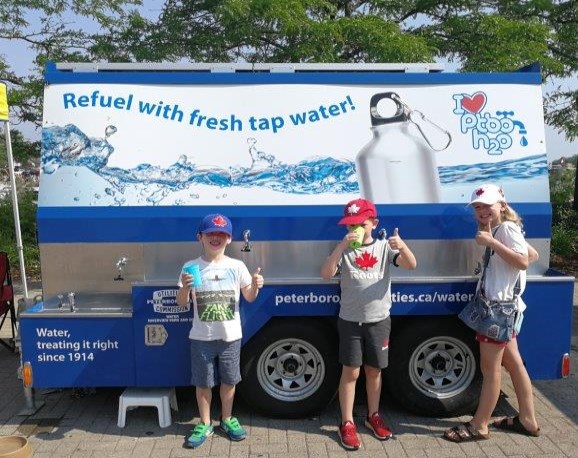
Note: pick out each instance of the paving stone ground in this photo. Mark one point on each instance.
(84, 425)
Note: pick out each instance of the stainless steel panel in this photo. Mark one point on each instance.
(89, 267)
(92, 267)
(302, 260)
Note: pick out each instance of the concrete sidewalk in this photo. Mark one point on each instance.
(84, 424)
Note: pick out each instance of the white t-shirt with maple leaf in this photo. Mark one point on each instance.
(366, 282)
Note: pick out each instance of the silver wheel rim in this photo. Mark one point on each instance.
(290, 370)
(442, 367)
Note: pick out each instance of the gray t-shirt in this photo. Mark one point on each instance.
(366, 282)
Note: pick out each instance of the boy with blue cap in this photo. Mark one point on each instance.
(216, 332)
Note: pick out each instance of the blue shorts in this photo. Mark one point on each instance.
(214, 362)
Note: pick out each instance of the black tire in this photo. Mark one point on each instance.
(433, 367)
(290, 368)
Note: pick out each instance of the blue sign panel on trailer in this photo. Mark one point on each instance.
(79, 352)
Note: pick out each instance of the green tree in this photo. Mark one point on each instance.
(27, 211)
(564, 216)
(478, 35)
(23, 151)
(49, 29)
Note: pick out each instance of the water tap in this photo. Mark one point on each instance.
(72, 301)
(246, 244)
(120, 264)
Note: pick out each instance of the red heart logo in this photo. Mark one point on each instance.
(474, 103)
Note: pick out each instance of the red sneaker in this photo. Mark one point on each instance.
(377, 426)
(348, 436)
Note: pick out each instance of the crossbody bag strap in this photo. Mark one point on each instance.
(487, 255)
(486, 262)
(517, 287)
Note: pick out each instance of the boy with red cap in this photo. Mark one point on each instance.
(216, 332)
(364, 322)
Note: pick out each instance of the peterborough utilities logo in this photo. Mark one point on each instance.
(164, 301)
(491, 132)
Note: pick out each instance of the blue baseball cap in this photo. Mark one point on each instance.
(216, 223)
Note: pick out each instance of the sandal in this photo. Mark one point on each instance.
(464, 433)
(514, 424)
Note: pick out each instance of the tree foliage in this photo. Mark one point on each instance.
(25, 151)
(49, 30)
(564, 214)
(476, 35)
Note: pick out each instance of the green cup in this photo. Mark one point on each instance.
(359, 231)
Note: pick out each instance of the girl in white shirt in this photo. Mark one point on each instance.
(500, 229)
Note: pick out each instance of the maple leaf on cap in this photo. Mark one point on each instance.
(353, 209)
(366, 260)
(219, 221)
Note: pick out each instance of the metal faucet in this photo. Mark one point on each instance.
(247, 244)
(120, 264)
(72, 301)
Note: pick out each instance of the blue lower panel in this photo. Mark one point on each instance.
(153, 348)
(78, 352)
(547, 328)
(161, 330)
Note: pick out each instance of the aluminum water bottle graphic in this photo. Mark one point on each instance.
(398, 165)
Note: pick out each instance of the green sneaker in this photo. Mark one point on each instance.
(233, 429)
(199, 435)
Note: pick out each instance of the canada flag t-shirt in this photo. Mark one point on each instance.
(366, 282)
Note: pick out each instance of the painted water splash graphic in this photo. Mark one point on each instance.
(528, 167)
(68, 146)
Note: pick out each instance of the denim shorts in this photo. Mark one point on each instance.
(364, 343)
(214, 362)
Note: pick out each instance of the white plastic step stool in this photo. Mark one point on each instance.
(162, 398)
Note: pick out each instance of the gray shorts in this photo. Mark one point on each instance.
(214, 362)
(364, 343)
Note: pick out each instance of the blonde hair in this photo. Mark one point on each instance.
(509, 214)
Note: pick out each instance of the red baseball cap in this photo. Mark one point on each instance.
(357, 211)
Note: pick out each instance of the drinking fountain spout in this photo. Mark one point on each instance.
(72, 301)
(247, 243)
(120, 264)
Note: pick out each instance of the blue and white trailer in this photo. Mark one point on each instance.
(134, 155)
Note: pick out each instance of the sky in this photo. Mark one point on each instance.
(20, 59)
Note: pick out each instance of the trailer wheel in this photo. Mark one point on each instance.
(290, 369)
(433, 368)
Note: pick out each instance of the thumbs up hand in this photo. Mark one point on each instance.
(258, 280)
(395, 241)
(484, 235)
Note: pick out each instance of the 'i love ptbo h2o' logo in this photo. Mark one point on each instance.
(493, 133)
